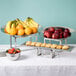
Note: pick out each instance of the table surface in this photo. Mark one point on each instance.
(30, 60)
(29, 57)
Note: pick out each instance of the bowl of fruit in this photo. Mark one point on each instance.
(18, 27)
(57, 32)
(13, 53)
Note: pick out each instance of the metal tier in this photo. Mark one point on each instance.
(16, 36)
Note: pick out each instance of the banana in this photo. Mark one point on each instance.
(34, 24)
(22, 23)
(8, 26)
(31, 23)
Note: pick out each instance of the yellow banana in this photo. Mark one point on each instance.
(8, 26)
(34, 23)
(31, 23)
(22, 23)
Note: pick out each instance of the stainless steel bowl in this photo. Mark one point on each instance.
(13, 57)
(59, 40)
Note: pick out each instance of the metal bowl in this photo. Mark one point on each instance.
(61, 39)
(40, 28)
(55, 28)
(58, 27)
(13, 57)
(63, 28)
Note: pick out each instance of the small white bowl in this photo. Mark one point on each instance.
(13, 57)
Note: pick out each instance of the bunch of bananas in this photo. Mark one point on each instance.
(30, 22)
(11, 25)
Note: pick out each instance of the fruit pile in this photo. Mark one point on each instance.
(13, 51)
(19, 27)
(57, 33)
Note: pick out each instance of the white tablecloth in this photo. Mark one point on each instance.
(30, 64)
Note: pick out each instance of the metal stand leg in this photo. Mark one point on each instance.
(65, 41)
(44, 40)
(10, 41)
(30, 38)
(60, 42)
(52, 53)
(15, 42)
(50, 41)
(38, 52)
(36, 38)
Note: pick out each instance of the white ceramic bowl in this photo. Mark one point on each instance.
(13, 57)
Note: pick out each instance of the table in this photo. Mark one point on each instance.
(30, 64)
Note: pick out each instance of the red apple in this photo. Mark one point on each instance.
(56, 31)
(51, 29)
(60, 30)
(67, 30)
(61, 36)
(65, 34)
(61, 33)
(47, 34)
(55, 36)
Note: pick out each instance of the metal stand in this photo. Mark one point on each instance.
(59, 40)
(15, 39)
(39, 52)
(52, 53)
(30, 37)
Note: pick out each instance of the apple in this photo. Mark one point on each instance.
(65, 34)
(55, 36)
(51, 29)
(60, 36)
(47, 34)
(67, 30)
(60, 30)
(61, 33)
(56, 31)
